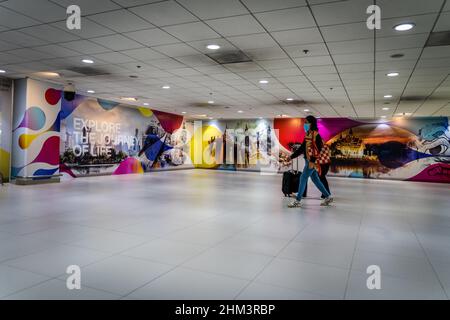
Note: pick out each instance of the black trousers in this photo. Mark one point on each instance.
(323, 176)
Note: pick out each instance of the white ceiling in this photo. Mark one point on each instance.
(344, 73)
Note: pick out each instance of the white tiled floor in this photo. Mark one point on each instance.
(201, 234)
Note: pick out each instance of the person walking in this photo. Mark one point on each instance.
(311, 147)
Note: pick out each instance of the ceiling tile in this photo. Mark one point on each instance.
(266, 53)
(175, 50)
(117, 42)
(91, 7)
(297, 36)
(164, 13)
(89, 29)
(15, 20)
(268, 5)
(41, 10)
(295, 18)
(391, 9)
(49, 33)
(152, 37)
(340, 12)
(57, 51)
(113, 57)
(211, 9)
(200, 60)
(261, 40)
(121, 21)
(192, 31)
(84, 46)
(443, 23)
(143, 54)
(344, 32)
(21, 39)
(234, 26)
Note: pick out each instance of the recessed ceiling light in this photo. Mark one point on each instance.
(2, 71)
(404, 26)
(383, 117)
(290, 99)
(385, 109)
(387, 96)
(306, 110)
(47, 74)
(166, 87)
(146, 104)
(184, 112)
(90, 91)
(210, 102)
(263, 81)
(88, 61)
(128, 99)
(240, 111)
(213, 46)
(393, 74)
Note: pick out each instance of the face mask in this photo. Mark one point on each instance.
(306, 126)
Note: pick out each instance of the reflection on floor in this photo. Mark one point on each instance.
(222, 235)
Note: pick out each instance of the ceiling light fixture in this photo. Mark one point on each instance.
(2, 71)
(90, 91)
(146, 103)
(213, 46)
(184, 112)
(88, 61)
(393, 74)
(404, 26)
(306, 110)
(240, 111)
(129, 99)
(383, 117)
(210, 102)
(385, 109)
(290, 99)
(166, 87)
(48, 74)
(388, 96)
(263, 81)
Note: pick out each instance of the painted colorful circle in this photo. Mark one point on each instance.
(52, 96)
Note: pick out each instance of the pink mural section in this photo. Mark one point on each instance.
(128, 166)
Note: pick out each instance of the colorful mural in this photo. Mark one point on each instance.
(35, 129)
(5, 128)
(105, 137)
(403, 149)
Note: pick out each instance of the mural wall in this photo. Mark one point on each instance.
(105, 137)
(35, 142)
(5, 127)
(403, 149)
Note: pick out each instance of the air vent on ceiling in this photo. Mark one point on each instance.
(229, 57)
(89, 71)
(438, 39)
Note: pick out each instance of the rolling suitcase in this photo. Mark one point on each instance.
(291, 181)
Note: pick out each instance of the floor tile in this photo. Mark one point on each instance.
(234, 263)
(12, 280)
(302, 276)
(187, 284)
